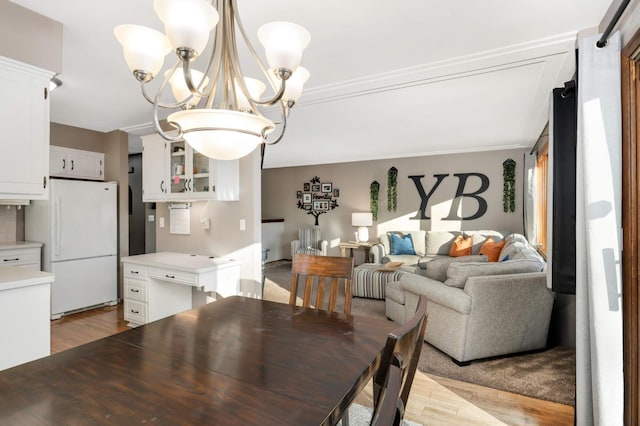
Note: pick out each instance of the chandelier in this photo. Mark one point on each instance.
(218, 111)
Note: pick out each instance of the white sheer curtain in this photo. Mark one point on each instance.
(599, 375)
(530, 183)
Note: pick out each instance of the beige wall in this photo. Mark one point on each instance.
(116, 162)
(224, 238)
(76, 137)
(29, 37)
(279, 188)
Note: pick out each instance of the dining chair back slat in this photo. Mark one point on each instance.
(318, 272)
(392, 407)
(405, 343)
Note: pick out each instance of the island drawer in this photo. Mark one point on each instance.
(173, 276)
(135, 290)
(134, 271)
(135, 312)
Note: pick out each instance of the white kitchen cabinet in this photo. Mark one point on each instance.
(173, 171)
(21, 254)
(154, 169)
(158, 285)
(24, 312)
(76, 163)
(24, 119)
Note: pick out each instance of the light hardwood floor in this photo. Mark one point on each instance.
(433, 400)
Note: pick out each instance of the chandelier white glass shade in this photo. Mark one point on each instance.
(218, 111)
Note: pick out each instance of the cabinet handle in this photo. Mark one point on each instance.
(134, 272)
(133, 290)
(134, 312)
(44, 182)
(162, 187)
(12, 260)
(100, 167)
(190, 186)
(72, 164)
(170, 276)
(64, 163)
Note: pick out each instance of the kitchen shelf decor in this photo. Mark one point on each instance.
(317, 197)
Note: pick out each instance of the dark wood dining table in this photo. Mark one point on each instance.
(236, 361)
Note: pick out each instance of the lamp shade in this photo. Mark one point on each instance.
(361, 219)
(283, 43)
(294, 84)
(255, 87)
(222, 134)
(144, 48)
(187, 22)
(179, 86)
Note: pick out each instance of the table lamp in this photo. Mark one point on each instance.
(362, 220)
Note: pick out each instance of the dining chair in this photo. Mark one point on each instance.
(316, 273)
(406, 343)
(392, 407)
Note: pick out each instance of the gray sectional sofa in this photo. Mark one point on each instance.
(477, 309)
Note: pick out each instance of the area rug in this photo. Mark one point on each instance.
(547, 375)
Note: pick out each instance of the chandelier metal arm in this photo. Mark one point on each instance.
(283, 128)
(230, 129)
(279, 92)
(195, 90)
(156, 98)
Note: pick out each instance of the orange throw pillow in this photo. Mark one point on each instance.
(491, 249)
(461, 246)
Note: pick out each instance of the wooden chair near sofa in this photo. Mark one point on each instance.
(317, 273)
(401, 350)
(391, 405)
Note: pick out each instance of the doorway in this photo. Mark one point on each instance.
(142, 230)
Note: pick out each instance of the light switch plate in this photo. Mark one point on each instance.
(243, 224)
(161, 222)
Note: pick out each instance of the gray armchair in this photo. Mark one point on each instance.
(309, 242)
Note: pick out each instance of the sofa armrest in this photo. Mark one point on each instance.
(324, 244)
(376, 253)
(295, 246)
(451, 297)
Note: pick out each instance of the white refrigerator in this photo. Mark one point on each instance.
(78, 228)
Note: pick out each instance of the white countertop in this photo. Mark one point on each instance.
(19, 245)
(14, 277)
(193, 263)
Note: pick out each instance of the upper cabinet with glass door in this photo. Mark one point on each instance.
(194, 176)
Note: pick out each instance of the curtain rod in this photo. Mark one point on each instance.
(603, 40)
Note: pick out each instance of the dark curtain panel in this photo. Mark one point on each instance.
(565, 128)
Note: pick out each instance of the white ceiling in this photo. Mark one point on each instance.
(388, 79)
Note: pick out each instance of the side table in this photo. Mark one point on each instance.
(355, 245)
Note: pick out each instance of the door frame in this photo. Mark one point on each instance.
(630, 74)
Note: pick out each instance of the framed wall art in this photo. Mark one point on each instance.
(317, 197)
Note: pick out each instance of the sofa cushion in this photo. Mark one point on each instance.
(491, 249)
(401, 244)
(458, 272)
(418, 238)
(436, 269)
(479, 237)
(439, 242)
(460, 246)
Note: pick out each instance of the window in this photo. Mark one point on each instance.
(542, 165)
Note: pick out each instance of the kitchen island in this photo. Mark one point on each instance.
(25, 309)
(157, 285)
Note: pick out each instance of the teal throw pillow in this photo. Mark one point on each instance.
(402, 244)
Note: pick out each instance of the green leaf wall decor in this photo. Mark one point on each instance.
(374, 190)
(392, 189)
(509, 186)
